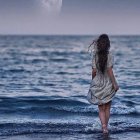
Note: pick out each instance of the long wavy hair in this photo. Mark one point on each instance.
(103, 46)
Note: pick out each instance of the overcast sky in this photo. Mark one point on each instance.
(76, 17)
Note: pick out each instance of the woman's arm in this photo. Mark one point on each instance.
(112, 77)
(93, 73)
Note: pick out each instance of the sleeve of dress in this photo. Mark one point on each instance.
(110, 61)
(93, 61)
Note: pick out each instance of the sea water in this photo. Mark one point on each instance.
(44, 81)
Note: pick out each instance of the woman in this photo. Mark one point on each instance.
(103, 85)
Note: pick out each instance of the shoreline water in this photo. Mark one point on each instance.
(99, 136)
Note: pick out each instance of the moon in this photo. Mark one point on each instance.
(52, 6)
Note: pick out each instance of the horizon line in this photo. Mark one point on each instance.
(68, 34)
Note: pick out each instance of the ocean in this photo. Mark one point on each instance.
(44, 81)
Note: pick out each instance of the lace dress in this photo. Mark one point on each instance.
(101, 90)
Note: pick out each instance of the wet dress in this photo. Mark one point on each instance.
(101, 90)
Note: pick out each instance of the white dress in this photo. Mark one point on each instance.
(101, 90)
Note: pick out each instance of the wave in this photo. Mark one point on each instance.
(55, 104)
(7, 129)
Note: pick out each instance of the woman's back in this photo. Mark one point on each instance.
(95, 64)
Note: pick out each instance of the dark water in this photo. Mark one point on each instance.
(44, 82)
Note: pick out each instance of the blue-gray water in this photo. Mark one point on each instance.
(44, 82)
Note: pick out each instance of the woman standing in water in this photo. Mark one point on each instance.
(104, 85)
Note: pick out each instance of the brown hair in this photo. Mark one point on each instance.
(103, 46)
